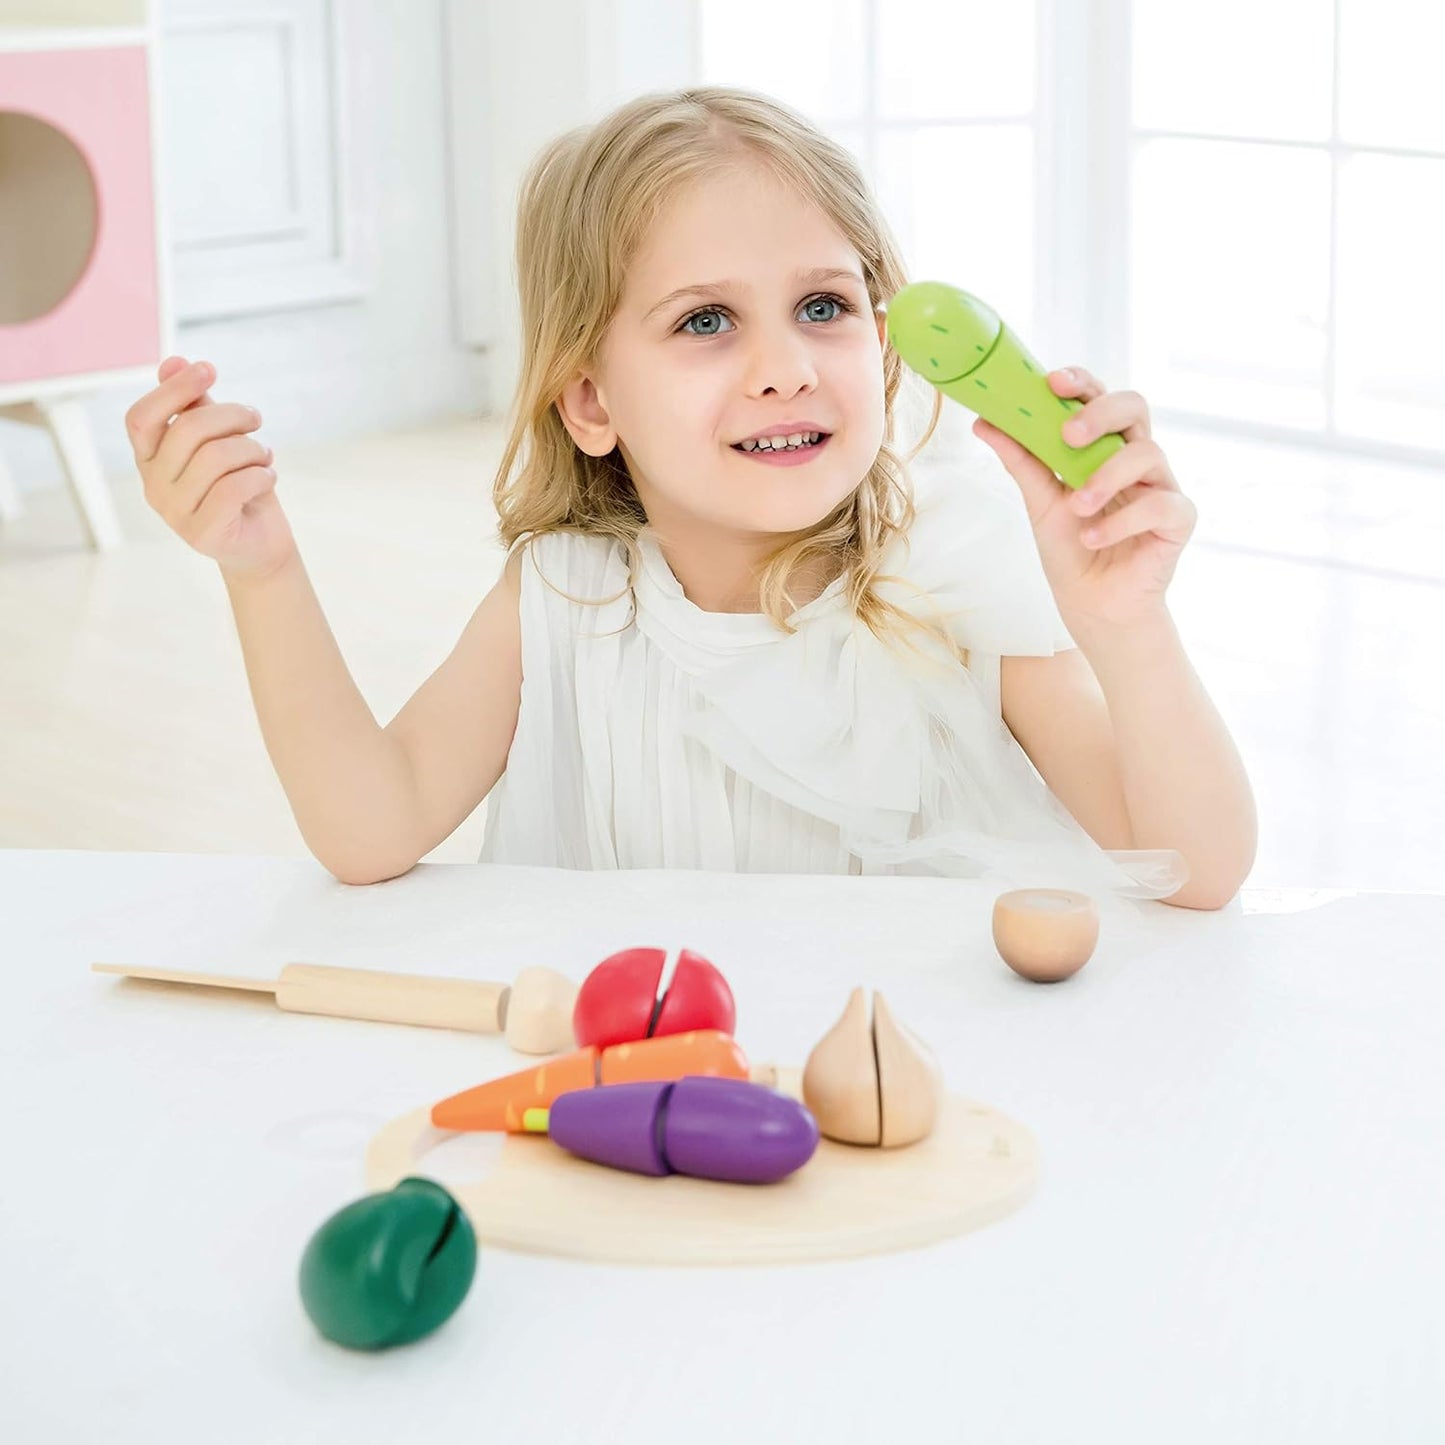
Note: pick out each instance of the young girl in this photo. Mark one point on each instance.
(726, 635)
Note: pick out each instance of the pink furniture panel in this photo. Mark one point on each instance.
(111, 317)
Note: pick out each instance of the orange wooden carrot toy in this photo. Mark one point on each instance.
(501, 1103)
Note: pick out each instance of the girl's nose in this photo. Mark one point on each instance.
(781, 361)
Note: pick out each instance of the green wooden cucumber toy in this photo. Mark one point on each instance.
(959, 344)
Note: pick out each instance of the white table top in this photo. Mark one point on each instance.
(1236, 1233)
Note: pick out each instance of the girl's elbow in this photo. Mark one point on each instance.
(1210, 894)
(361, 873)
(1200, 900)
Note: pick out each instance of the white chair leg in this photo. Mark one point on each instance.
(12, 504)
(69, 426)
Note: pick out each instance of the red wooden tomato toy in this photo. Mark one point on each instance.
(618, 1001)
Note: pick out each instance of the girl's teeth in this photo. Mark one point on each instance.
(778, 444)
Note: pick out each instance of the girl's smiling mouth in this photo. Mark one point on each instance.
(780, 452)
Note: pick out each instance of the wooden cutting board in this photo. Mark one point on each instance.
(977, 1166)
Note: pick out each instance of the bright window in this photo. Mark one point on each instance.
(1239, 208)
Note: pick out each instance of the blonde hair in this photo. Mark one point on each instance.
(585, 207)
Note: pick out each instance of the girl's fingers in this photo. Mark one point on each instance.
(1104, 411)
(1169, 515)
(173, 364)
(1124, 412)
(190, 432)
(1139, 461)
(205, 399)
(1076, 382)
(214, 459)
(147, 420)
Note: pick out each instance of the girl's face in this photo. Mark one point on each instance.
(746, 309)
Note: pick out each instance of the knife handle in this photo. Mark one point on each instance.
(395, 998)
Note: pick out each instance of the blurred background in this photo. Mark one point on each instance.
(1227, 208)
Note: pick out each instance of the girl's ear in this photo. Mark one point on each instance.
(585, 416)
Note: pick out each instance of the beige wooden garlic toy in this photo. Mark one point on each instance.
(534, 1012)
(1045, 934)
(872, 1081)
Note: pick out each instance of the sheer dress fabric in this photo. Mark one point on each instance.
(653, 734)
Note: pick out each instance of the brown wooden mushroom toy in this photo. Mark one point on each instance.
(871, 1081)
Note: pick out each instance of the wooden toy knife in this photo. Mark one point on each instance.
(534, 1011)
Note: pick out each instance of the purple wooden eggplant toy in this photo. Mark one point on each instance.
(712, 1128)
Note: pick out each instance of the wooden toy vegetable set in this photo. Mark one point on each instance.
(650, 1122)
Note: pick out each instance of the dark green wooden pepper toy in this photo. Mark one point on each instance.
(390, 1267)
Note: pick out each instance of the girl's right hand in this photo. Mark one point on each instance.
(210, 483)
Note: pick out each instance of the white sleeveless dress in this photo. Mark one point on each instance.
(679, 738)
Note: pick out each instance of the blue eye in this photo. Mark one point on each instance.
(843, 308)
(822, 301)
(696, 315)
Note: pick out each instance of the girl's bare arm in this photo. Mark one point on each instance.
(371, 801)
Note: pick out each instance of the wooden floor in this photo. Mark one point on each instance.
(1312, 600)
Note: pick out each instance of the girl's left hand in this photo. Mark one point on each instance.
(1109, 550)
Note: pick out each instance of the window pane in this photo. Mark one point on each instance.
(1230, 272)
(1390, 92)
(947, 59)
(1388, 365)
(978, 233)
(809, 53)
(1235, 67)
